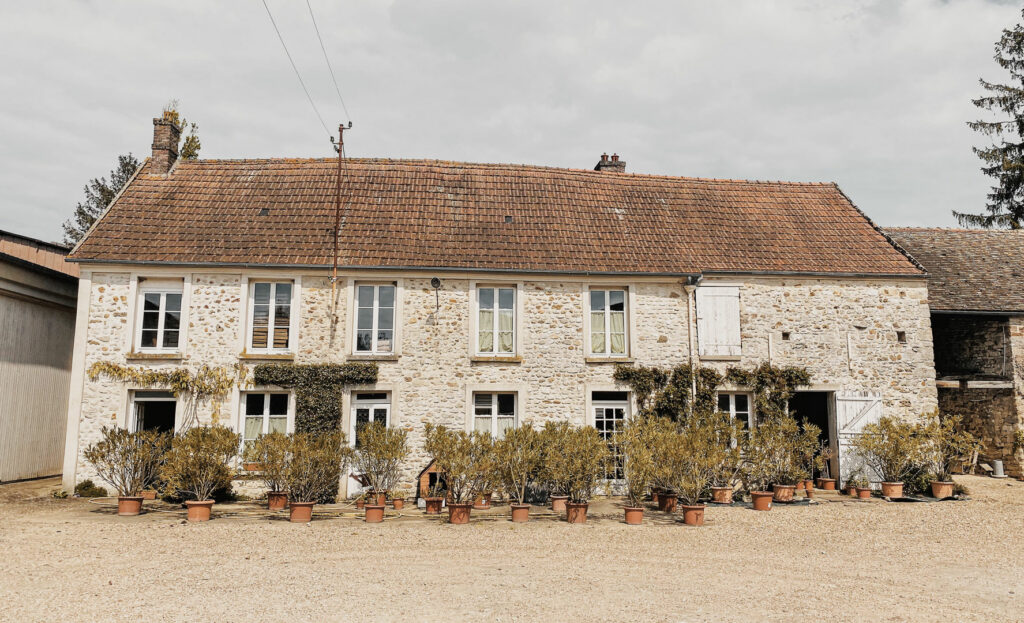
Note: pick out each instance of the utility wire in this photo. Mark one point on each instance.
(348, 117)
(297, 74)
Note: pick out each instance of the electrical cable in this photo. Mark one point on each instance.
(348, 117)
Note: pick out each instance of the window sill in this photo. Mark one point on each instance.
(267, 356)
(721, 357)
(490, 359)
(156, 356)
(609, 359)
(372, 357)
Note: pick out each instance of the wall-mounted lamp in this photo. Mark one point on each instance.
(436, 284)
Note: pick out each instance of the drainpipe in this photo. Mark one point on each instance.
(690, 287)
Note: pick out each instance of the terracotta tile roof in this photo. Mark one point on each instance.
(968, 269)
(48, 255)
(433, 214)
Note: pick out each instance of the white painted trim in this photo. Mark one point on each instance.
(239, 420)
(521, 390)
(293, 319)
(77, 384)
(588, 399)
(517, 320)
(630, 324)
(351, 328)
(138, 289)
(131, 337)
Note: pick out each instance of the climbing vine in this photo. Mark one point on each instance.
(318, 389)
(205, 384)
(772, 386)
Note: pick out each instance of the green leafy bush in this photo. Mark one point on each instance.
(318, 389)
(893, 448)
(380, 454)
(270, 452)
(315, 464)
(462, 457)
(772, 454)
(88, 489)
(948, 446)
(197, 463)
(127, 460)
(517, 460)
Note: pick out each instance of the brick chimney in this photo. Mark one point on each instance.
(611, 165)
(165, 145)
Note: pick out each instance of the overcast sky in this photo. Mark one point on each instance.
(872, 95)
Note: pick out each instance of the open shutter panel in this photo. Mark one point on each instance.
(854, 410)
(718, 321)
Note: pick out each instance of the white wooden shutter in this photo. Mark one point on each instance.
(854, 410)
(718, 321)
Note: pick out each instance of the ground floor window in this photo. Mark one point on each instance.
(369, 407)
(153, 410)
(737, 405)
(264, 412)
(610, 412)
(494, 413)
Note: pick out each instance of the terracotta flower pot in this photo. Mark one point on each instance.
(300, 512)
(378, 498)
(374, 513)
(558, 503)
(398, 503)
(892, 489)
(199, 510)
(828, 484)
(762, 500)
(693, 515)
(809, 489)
(721, 495)
(129, 506)
(864, 493)
(851, 490)
(634, 515)
(434, 506)
(667, 502)
(459, 513)
(360, 503)
(482, 502)
(520, 513)
(783, 493)
(277, 500)
(251, 467)
(655, 494)
(576, 513)
(942, 489)
(148, 494)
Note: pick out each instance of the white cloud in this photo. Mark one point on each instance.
(874, 95)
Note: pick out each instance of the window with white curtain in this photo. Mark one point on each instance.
(608, 323)
(270, 304)
(375, 318)
(263, 412)
(494, 413)
(496, 321)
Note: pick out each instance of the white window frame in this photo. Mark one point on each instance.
(475, 325)
(607, 325)
(372, 405)
(374, 350)
(625, 405)
(292, 313)
(290, 414)
(494, 409)
(163, 287)
(132, 418)
(751, 418)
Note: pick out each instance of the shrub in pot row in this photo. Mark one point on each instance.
(130, 462)
(464, 459)
(315, 462)
(379, 454)
(517, 461)
(198, 464)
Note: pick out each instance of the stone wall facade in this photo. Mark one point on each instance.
(844, 330)
(972, 345)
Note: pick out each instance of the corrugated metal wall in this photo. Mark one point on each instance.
(36, 342)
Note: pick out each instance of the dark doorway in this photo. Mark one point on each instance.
(155, 411)
(813, 408)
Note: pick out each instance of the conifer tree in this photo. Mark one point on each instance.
(98, 194)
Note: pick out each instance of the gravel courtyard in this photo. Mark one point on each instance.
(839, 560)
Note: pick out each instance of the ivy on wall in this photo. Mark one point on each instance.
(318, 389)
(772, 387)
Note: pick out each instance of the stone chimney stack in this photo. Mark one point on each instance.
(166, 135)
(611, 165)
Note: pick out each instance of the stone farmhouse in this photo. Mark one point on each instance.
(977, 309)
(490, 295)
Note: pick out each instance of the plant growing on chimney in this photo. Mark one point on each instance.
(188, 147)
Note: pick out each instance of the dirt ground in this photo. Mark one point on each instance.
(838, 560)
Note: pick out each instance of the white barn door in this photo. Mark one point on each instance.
(853, 411)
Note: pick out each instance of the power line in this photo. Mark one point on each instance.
(296, 69)
(348, 117)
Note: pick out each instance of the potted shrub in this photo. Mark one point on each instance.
(947, 446)
(270, 453)
(315, 463)
(554, 437)
(462, 457)
(488, 475)
(198, 464)
(517, 459)
(861, 485)
(823, 464)
(892, 448)
(635, 442)
(398, 499)
(128, 461)
(586, 456)
(702, 445)
(726, 475)
(379, 454)
(768, 456)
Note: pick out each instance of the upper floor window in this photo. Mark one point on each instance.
(494, 413)
(271, 315)
(375, 318)
(608, 322)
(159, 326)
(496, 323)
(718, 321)
(264, 412)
